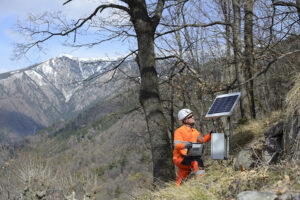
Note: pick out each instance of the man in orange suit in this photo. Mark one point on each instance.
(184, 136)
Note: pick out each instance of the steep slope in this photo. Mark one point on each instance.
(55, 90)
(222, 182)
(106, 141)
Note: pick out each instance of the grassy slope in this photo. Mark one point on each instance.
(222, 182)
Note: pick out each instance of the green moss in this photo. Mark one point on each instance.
(118, 191)
(145, 158)
(100, 170)
(123, 160)
(112, 165)
(134, 177)
(242, 121)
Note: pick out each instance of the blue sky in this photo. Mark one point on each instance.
(12, 10)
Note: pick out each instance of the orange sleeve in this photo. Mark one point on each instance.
(204, 139)
(178, 141)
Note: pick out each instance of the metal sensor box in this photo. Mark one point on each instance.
(217, 146)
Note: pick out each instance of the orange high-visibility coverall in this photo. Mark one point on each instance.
(182, 136)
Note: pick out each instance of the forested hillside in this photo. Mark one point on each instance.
(104, 151)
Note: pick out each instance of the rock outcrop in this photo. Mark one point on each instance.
(282, 141)
(291, 137)
(256, 195)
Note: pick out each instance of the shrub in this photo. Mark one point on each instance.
(293, 96)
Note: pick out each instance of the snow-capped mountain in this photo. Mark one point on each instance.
(55, 90)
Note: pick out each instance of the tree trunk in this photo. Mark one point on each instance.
(172, 111)
(237, 48)
(229, 75)
(163, 168)
(151, 103)
(298, 9)
(249, 55)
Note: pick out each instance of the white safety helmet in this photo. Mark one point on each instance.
(183, 113)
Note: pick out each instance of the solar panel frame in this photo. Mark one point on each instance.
(223, 105)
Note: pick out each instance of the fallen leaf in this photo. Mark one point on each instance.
(287, 178)
(252, 173)
(263, 176)
(279, 183)
(242, 168)
(281, 191)
(243, 175)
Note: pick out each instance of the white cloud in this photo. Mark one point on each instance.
(13, 35)
(21, 8)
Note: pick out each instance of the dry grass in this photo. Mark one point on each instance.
(34, 177)
(259, 126)
(293, 97)
(246, 134)
(223, 182)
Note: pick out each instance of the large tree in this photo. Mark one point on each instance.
(244, 59)
(138, 19)
(248, 67)
(145, 26)
(144, 17)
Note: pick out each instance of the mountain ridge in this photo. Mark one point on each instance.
(57, 89)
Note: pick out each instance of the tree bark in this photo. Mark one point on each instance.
(229, 72)
(163, 168)
(249, 56)
(298, 9)
(237, 48)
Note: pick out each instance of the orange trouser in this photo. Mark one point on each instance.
(184, 170)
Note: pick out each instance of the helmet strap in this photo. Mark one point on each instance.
(188, 124)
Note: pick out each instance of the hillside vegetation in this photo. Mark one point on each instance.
(97, 160)
(104, 152)
(100, 154)
(223, 182)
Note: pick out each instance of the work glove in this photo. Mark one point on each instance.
(212, 131)
(188, 145)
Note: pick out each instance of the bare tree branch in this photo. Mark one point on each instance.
(232, 86)
(158, 11)
(289, 4)
(282, 3)
(114, 68)
(94, 43)
(67, 2)
(178, 28)
(165, 57)
(77, 25)
(270, 64)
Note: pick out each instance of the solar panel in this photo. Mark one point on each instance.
(223, 105)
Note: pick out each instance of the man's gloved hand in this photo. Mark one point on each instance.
(188, 145)
(212, 131)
